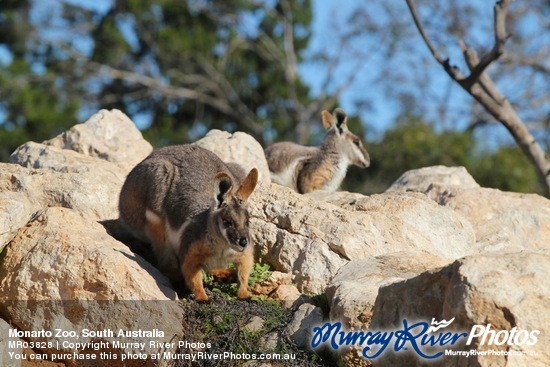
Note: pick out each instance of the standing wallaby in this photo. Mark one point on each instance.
(191, 206)
(306, 169)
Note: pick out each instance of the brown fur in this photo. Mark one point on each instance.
(311, 180)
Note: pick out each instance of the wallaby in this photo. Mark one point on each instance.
(306, 169)
(191, 207)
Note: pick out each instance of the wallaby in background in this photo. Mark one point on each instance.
(191, 207)
(306, 169)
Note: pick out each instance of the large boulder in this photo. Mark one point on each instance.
(62, 270)
(46, 176)
(502, 221)
(239, 148)
(56, 177)
(506, 291)
(109, 135)
(313, 239)
(421, 179)
(353, 291)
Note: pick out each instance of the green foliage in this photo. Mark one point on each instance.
(507, 169)
(413, 143)
(179, 67)
(260, 272)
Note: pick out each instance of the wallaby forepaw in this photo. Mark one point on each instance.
(243, 294)
(201, 297)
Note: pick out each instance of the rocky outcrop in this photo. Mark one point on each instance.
(421, 179)
(239, 148)
(108, 135)
(313, 239)
(61, 268)
(502, 221)
(434, 246)
(508, 292)
(512, 239)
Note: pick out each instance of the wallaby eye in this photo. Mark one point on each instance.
(227, 223)
(356, 142)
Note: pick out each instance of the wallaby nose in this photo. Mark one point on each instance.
(243, 241)
(366, 161)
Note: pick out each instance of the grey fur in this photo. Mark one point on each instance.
(185, 184)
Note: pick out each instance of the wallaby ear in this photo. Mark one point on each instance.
(223, 185)
(248, 185)
(328, 121)
(340, 118)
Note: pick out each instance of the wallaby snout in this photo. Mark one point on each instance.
(233, 225)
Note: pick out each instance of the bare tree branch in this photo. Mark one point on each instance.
(480, 86)
(500, 12)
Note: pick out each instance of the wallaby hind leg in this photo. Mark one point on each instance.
(244, 265)
(191, 269)
(165, 256)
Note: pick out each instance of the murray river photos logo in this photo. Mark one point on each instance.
(429, 341)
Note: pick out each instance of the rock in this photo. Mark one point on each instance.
(354, 290)
(5, 350)
(313, 239)
(287, 293)
(270, 341)
(502, 221)
(506, 291)
(300, 329)
(419, 180)
(269, 285)
(108, 135)
(63, 178)
(62, 270)
(255, 324)
(15, 211)
(238, 148)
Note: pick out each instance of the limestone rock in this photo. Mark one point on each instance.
(313, 239)
(269, 285)
(502, 221)
(109, 135)
(238, 148)
(288, 293)
(254, 325)
(353, 291)
(63, 178)
(506, 291)
(15, 212)
(300, 329)
(5, 350)
(419, 180)
(62, 270)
